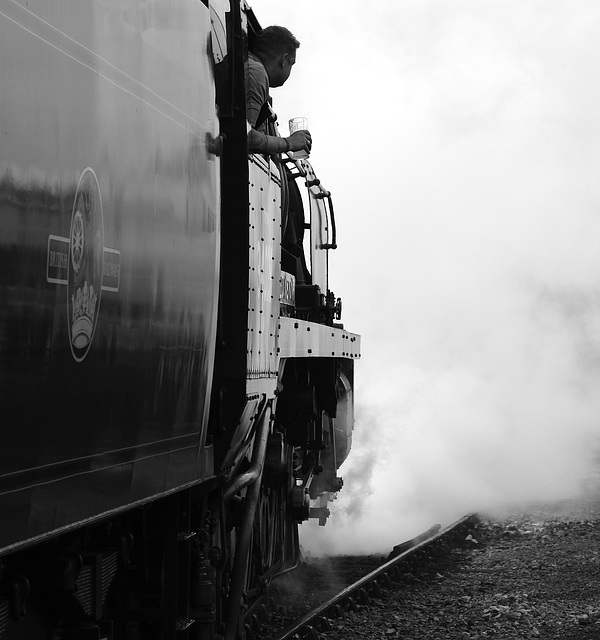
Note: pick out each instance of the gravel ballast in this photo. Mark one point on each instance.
(529, 573)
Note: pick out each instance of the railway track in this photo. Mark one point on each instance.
(404, 558)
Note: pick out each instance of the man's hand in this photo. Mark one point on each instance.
(300, 141)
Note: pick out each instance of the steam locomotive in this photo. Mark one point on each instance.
(176, 389)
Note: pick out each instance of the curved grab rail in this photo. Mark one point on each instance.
(333, 243)
(321, 195)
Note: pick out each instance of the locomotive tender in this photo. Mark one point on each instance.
(176, 393)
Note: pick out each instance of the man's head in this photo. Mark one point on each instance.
(276, 48)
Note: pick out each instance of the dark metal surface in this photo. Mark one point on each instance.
(109, 254)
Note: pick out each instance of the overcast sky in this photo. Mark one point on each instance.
(461, 142)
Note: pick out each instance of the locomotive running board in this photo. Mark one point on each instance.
(302, 339)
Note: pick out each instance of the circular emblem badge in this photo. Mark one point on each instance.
(86, 255)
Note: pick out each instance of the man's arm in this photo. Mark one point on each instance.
(259, 142)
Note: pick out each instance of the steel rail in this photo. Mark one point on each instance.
(306, 627)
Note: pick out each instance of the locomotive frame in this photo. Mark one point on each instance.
(175, 385)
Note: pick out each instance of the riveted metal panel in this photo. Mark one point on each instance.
(264, 267)
(301, 339)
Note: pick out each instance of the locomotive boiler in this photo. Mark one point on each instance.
(176, 388)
